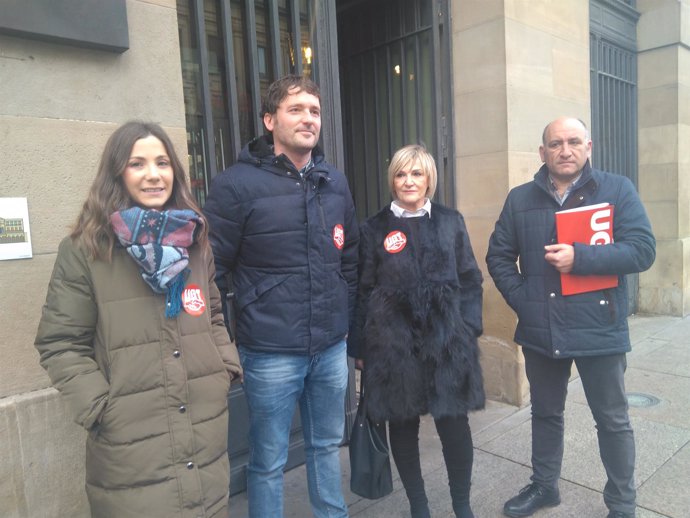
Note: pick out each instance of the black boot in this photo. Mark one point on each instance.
(458, 454)
(463, 510)
(419, 510)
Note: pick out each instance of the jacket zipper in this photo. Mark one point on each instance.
(323, 217)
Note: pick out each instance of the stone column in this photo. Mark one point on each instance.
(663, 33)
(517, 64)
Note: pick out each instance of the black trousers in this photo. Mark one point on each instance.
(456, 440)
(602, 380)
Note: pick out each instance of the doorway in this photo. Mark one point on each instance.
(395, 84)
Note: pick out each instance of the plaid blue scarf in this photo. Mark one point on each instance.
(158, 242)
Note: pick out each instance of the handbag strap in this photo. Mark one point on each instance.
(362, 399)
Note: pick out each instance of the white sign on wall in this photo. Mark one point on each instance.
(15, 237)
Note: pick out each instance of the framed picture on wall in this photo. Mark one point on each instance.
(15, 237)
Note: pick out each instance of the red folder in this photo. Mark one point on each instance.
(590, 225)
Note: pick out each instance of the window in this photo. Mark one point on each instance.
(228, 50)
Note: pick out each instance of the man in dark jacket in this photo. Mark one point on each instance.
(283, 224)
(589, 328)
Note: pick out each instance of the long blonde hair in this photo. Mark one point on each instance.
(109, 194)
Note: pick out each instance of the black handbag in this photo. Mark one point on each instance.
(370, 466)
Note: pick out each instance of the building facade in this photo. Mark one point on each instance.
(475, 80)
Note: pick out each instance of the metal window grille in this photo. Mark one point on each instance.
(231, 50)
(613, 70)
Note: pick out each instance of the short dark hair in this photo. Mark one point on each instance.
(280, 89)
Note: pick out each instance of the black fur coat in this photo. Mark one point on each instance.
(419, 313)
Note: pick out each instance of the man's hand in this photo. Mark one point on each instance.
(359, 364)
(560, 256)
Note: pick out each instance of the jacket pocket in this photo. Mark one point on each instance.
(255, 292)
(597, 309)
(518, 297)
(95, 430)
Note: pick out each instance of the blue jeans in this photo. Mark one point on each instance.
(274, 383)
(603, 382)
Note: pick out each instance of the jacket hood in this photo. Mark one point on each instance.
(259, 151)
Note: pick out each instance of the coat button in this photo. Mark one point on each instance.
(177, 353)
(182, 409)
(190, 465)
(603, 302)
(557, 352)
(552, 295)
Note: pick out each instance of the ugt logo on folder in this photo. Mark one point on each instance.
(590, 225)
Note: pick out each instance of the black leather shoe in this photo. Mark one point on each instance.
(620, 514)
(530, 499)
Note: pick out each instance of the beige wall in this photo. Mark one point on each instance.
(59, 105)
(517, 65)
(664, 142)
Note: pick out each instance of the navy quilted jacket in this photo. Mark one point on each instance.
(290, 245)
(588, 324)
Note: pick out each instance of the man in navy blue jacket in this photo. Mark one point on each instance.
(525, 261)
(283, 224)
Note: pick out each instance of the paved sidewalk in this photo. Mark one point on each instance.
(658, 366)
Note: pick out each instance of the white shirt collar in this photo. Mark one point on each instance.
(399, 212)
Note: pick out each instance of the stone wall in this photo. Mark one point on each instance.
(664, 142)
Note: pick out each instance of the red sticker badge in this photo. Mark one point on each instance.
(395, 242)
(339, 236)
(193, 300)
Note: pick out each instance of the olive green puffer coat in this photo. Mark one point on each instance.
(150, 391)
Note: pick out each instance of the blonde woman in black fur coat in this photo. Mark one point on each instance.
(418, 318)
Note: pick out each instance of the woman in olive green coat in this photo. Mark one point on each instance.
(132, 335)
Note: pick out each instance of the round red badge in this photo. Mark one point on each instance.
(395, 242)
(339, 236)
(193, 300)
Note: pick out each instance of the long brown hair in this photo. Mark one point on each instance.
(109, 194)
